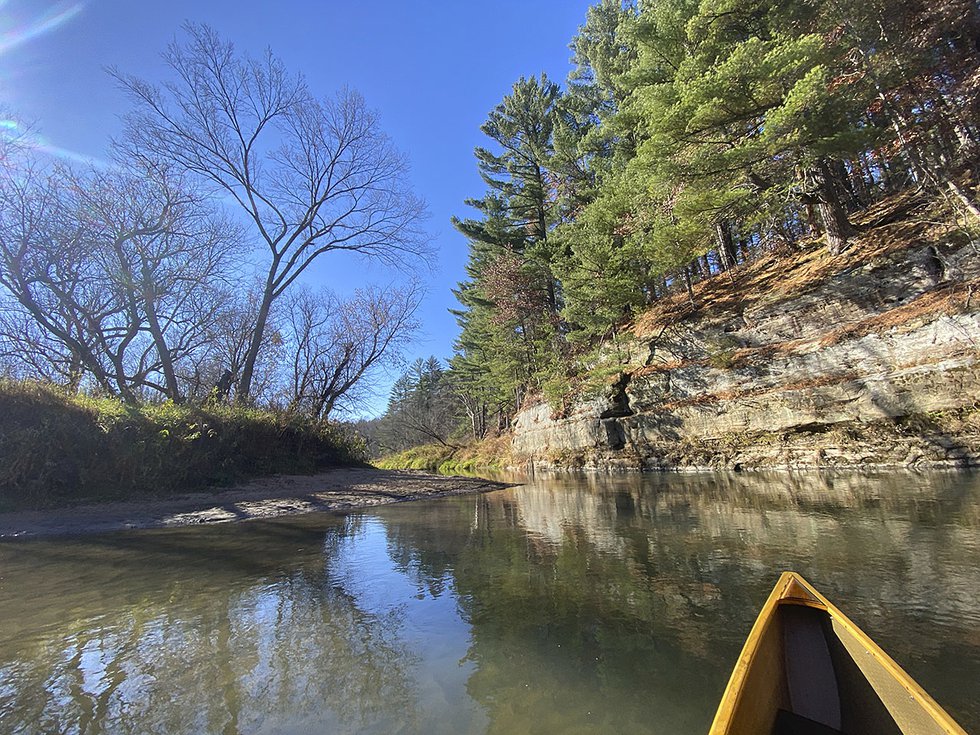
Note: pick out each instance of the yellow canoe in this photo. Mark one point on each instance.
(806, 669)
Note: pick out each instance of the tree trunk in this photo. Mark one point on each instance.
(244, 391)
(833, 216)
(477, 412)
(166, 360)
(719, 259)
(471, 415)
(863, 181)
(76, 371)
(244, 388)
(845, 191)
(122, 387)
(726, 245)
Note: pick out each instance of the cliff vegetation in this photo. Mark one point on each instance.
(733, 221)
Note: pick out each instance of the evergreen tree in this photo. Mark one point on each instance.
(510, 323)
(589, 141)
(522, 126)
(422, 408)
(694, 133)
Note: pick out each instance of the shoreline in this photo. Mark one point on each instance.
(337, 489)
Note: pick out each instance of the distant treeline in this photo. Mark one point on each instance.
(690, 136)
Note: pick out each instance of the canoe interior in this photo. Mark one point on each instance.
(807, 670)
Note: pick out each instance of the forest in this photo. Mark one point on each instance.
(690, 137)
(159, 331)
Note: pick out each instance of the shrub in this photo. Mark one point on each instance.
(427, 457)
(58, 449)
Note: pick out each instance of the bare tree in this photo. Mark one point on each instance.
(27, 351)
(311, 176)
(472, 403)
(47, 265)
(337, 345)
(117, 268)
(165, 252)
(211, 374)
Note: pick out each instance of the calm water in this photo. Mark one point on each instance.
(586, 605)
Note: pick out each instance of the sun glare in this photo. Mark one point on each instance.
(12, 130)
(15, 31)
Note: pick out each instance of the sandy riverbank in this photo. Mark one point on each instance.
(337, 489)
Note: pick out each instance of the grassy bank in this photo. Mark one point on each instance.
(489, 454)
(57, 449)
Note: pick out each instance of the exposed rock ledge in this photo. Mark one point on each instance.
(875, 361)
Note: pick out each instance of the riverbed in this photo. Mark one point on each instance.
(334, 489)
(577, 604)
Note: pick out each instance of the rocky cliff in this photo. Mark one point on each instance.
(798, 359)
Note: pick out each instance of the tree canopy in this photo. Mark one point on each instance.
(691, 135)
(173, 271)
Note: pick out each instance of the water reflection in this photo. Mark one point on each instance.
(617, 604)
(587, 604)
(190, 632)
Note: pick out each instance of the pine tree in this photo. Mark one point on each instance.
(692, 134)
(753, 96)
(511, 300)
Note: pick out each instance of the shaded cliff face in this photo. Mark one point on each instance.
(803, 361)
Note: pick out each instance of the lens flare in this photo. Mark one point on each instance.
(55, 17)
(11, 130)
(17, 29)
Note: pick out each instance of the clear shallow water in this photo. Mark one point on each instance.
(573, 605)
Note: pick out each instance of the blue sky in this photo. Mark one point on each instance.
(433, 70)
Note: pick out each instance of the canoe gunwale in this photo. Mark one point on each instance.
(792, 589)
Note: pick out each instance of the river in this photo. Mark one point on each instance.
(592, 604)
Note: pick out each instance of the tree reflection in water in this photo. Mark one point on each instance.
(618, 604)
(215, 633)
(579, 604)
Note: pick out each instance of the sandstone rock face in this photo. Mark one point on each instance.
(877, 365)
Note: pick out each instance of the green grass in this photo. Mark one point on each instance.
(58, 449)
(428, 457)
(492, 453)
